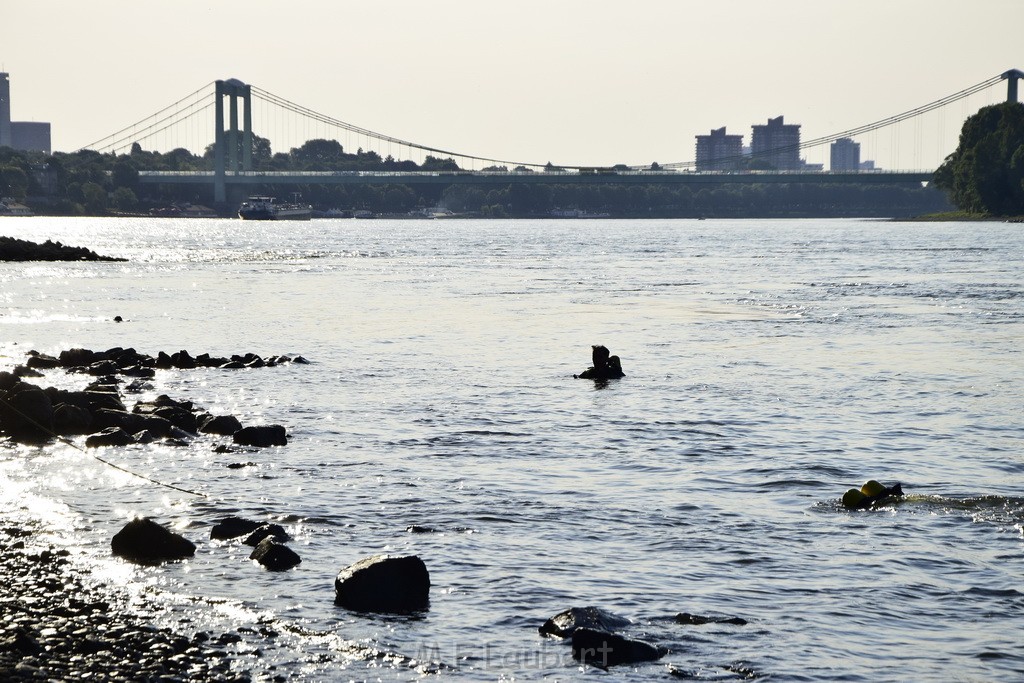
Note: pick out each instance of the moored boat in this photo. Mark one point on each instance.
(259, 208)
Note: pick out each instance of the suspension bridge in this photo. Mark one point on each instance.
(231, 131)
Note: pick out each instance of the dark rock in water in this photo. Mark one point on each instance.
(138, 371)
(143, 541)
(130, 422)
(182, 360)
(233, 527)
(264, 435)
(22, 371)
(231, 365)
(698, 620)
(275, 531)
(7, 381)
(71, 419)
(603, 649)
(179, 413)
(563, 624)
(103, 399)
(111, 436)
(103, 367)
(77, 358)
(41, 361)
(240, 465)
(220, 424)
(26, 413)
(384, 583)
(144, 437)
(13, 249)
(274, 556)
(417, 529)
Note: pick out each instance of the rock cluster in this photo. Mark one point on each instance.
(269, 541)
(12, 249)
(600, 638)
(30, 413)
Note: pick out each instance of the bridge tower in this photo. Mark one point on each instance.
(1011, 77)
(230, 153)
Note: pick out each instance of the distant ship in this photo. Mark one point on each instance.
(267, 209)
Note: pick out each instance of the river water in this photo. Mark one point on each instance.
(770, 366)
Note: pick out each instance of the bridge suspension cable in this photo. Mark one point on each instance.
(871, 127)
(163, 121)
(331, 121)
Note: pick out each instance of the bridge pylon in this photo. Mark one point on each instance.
(230, 153)
(1011, 77)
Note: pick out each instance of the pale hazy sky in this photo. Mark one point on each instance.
(568, 81)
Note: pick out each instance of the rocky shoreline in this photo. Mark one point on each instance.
(13, 249)
(55, 625)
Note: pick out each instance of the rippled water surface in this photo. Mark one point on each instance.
(771, 365)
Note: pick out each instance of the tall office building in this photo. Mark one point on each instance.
(844, 155)
(718, 151)
(777, 144)
(5, 110)
(26, 136)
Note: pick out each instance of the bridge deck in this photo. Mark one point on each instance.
(253, 178)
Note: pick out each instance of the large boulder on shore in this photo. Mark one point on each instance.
(143, 541)
(262, 436)
(384, 583)
(274, 556)
(603, 649)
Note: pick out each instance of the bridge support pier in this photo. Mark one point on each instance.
(228, 152)
(1011, 77)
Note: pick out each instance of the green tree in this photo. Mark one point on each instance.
(985, 174)
(13, 182)
(95, 198)
(124, 199)
(124, 175)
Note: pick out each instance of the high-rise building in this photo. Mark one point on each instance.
(845, 155)
(718, 151)
(5, 110)
(777, 145)
(27, 136)
(30, 136)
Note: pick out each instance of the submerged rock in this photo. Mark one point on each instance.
(143, 541)
(698, 620)
(384, 583)
(275, 531)
(563, 624)
(262, 436)
(603, 649)
(233, 527)
(274, 556)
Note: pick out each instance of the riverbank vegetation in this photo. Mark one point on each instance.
(90, 183)
(985, 175)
